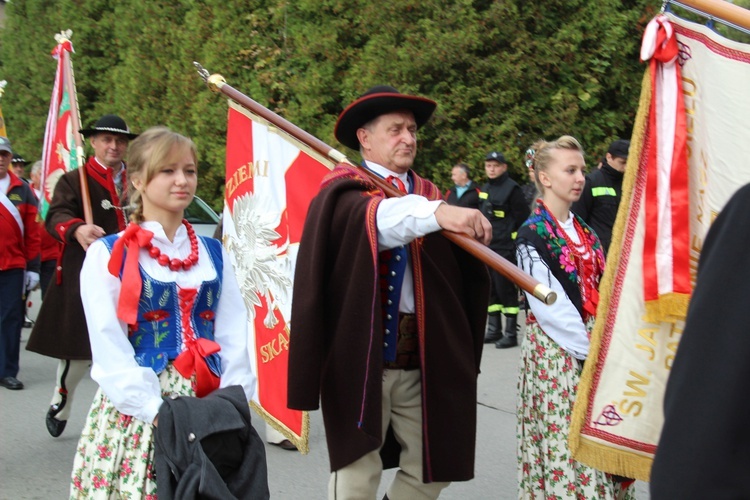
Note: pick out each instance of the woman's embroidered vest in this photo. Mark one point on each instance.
(165, 310)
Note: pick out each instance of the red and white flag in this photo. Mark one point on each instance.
(270, 180)
(60, 153)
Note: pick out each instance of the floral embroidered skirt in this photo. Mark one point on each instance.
(115, 454)
(547, 385)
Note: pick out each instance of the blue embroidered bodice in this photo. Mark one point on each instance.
(157, 337)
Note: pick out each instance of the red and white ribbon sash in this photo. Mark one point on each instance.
(15, 215)
(666, 257)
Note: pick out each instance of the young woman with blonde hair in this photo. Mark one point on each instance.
(165, 317)
(561, 251)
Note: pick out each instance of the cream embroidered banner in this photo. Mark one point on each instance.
(618, 414)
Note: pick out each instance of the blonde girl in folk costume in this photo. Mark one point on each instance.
(165, 316)
(559, 250)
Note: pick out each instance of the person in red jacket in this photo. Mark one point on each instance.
(19, 262)
(51, 248)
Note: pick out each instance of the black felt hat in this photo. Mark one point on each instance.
(109, 123)
(377, 101)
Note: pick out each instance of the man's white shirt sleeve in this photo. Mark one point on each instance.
(401, 220)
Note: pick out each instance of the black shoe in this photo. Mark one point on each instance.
(506, 342)
(493, 333)
(510, 338)
(11, 383)
(54, 426)
(285, 445)
(490, 337)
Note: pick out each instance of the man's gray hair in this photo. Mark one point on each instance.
(464, 167)
(36, 167)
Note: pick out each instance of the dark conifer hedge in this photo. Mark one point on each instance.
(503, 72)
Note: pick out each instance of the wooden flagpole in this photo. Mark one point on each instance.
(217, 83)
(719, 9)
(75, 119)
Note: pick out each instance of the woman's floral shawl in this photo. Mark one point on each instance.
(542, 232)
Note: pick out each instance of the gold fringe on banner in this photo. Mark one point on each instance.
(299, 442)
(669, 308)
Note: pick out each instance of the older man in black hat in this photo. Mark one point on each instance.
(503, 202)
(60, 330)
(388, 314)
(600, 199)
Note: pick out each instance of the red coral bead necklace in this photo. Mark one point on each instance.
(177, 264)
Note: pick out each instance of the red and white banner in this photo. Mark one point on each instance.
(59, 154)
(688, 155)
(270, 180)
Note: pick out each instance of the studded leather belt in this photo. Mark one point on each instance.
(407, 347)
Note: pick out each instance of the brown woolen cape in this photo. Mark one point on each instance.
(336, 354)
(60, 329)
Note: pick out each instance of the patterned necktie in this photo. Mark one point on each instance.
(396, 182)
(117, 180)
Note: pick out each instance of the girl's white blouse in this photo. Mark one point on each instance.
(561, 321)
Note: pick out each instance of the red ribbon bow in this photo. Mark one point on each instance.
(133, 239)
(193, 360)
(64, 46)
(667, 47)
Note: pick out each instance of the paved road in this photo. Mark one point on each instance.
(34, 465)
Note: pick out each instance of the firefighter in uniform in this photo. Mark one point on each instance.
(601, 195)
(503, 203)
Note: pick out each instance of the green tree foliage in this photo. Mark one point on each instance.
(504, 72)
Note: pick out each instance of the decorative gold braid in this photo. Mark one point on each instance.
(301, 442)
